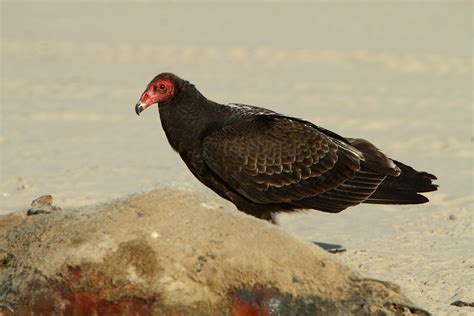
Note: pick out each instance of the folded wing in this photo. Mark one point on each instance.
(276, 159)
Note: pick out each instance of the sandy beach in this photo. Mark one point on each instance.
(397, 73)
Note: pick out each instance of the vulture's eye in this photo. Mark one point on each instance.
(162, 86)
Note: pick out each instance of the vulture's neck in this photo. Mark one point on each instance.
(187, 117)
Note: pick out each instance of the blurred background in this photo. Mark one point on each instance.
(399, 73)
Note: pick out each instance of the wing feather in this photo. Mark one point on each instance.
(273, 159)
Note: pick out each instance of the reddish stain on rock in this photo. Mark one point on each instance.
(84, 291)
(93, 304)
(87, 303)
(242, 308)
(74, 274)
(256, 301)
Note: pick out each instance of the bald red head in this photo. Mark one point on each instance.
(160, 89)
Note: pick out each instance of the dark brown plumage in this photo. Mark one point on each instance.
(265, 162)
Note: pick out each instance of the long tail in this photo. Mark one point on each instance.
(405, 188)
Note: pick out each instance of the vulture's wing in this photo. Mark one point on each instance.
(276, 159)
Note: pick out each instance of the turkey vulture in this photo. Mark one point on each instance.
(265, 162)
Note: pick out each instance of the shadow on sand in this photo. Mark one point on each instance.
(332, 248)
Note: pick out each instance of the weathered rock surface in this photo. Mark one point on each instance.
(174, 252)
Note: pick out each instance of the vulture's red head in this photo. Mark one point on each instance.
(162, 88)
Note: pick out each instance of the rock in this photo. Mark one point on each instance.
(164, 253)
(42, 205)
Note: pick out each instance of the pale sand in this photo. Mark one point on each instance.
(399, 74)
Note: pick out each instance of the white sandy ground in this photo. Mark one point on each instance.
(399, 74)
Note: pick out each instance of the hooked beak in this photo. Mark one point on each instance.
(140, 107)
(144, 102)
